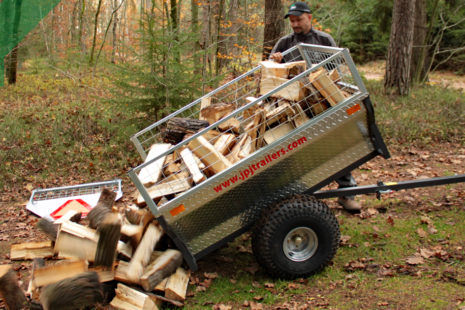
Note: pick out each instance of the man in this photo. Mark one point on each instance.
(300, 17)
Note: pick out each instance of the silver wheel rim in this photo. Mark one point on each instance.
(300, 244)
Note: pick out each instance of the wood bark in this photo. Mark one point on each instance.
(274, 25)
(221, 50)
(177, 128)
(12, 62)
(418, 67)
(103, 207)
(10, 291)
(397, 78)
(94, 39)
(79, 292)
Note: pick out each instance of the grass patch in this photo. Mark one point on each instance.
(429, 114)
(54, 128)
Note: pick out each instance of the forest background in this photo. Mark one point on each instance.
(93, 73)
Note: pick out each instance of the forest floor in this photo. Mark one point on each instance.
(405, 251)
(375, 71)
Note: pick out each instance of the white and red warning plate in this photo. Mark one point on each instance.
(53, 203)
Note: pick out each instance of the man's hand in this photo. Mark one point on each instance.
(277, 57)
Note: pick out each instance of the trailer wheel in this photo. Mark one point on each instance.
(296, 238)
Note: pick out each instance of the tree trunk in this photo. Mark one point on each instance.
(174, 27)
(400, 48)
(274, 25)
(205, 39)
(418, 67)
(195, 31)
(114, 37)
(220, 39)
(94, 40)
(12, 64)
(81, 25)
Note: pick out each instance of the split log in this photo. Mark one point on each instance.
(318, 108)
(247, 147)
(271, 68)
(103, 207)
(204, 102)
(178, 127)
(12, 294)
(214, 160)
(171, 168)
(279, 114)
(46, 275)
(191, 164)
(233, 156)
(49, 228)
(225, 143)
(231, 125)
(216, 111)
(292, 92)
(121, 274)
(282, 70)
(212, 136)
(277, 132)
(296, 68)
(78, 292)
(321, 80)
(130, 299)
(31, 250)
(134, 232)
(166, 188)
(134, 214)
(300, 117)
(109, 233)
(334, 75)
(104, 274)
(161, 268)
(151, 173)
(176, 287)
(36, 263)
(76, 240)
(142, 254)
(124, 249)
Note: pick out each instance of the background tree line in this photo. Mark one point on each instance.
(169, 52)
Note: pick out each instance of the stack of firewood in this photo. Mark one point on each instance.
(120, 257)
(237, 137)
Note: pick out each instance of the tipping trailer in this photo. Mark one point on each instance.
(270, 190)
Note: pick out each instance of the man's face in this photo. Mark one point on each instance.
(301, 24)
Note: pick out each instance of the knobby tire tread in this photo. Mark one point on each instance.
(271, 218)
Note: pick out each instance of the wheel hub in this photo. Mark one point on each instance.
(300, 244)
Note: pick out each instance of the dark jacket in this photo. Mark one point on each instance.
(312, 37)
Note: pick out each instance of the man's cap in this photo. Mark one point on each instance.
(298, 9)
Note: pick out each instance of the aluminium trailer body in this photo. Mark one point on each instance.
(305, 159)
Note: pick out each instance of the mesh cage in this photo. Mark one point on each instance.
(211, 135)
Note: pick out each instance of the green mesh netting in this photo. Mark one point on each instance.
(17, 18)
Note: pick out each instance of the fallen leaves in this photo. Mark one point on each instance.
(416, 259)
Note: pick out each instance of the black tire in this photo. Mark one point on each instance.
(296, 238)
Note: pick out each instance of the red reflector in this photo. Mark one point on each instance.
(353, 109)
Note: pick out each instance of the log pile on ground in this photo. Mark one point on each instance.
(236, 137)
(117, 256)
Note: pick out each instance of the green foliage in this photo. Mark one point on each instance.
(363, 26)
(163, 75)
(452, 48)
(57, 130)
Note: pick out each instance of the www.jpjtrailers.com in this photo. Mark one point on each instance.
(250, 171)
